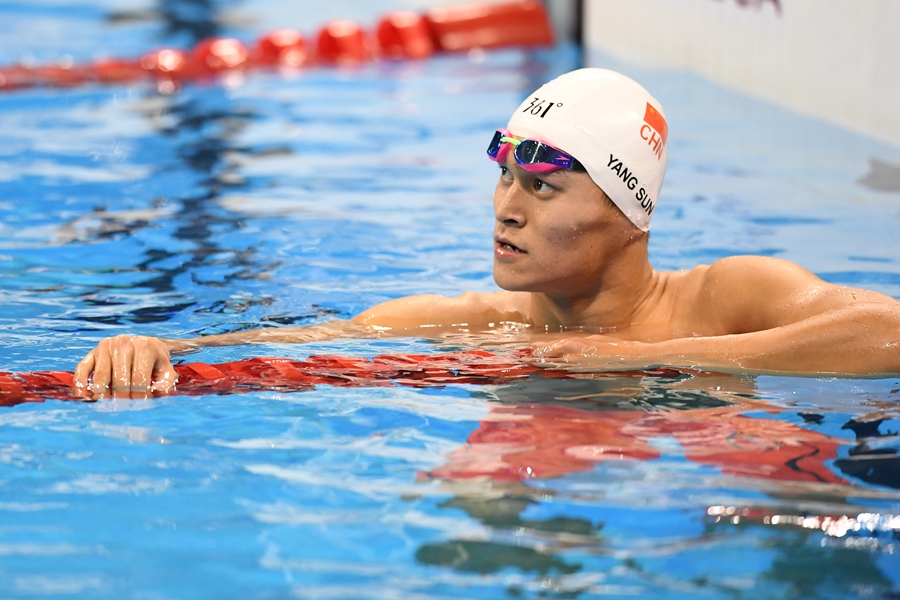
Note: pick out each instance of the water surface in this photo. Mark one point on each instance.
(284, 199)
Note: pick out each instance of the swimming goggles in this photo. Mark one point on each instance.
(532, 155)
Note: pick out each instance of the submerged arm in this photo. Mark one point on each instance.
(303, 334)
(128, 362)
(139, 363)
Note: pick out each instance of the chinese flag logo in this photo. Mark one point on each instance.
(654, 119)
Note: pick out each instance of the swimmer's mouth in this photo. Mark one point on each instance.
(507, 246)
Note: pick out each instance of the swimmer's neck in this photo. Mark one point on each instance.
(622, 297)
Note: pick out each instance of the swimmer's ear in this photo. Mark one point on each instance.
(607, 199)
(637, 233)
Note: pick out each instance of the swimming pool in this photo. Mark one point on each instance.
(295, 198)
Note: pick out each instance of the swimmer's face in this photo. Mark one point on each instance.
(555, 232)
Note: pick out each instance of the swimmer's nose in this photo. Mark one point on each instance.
(507, 209)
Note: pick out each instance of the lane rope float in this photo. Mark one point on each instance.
(400, 35)
(477, 367)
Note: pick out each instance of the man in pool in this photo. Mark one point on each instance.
(582, 161)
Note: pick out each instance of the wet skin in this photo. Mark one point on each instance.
(576, 270)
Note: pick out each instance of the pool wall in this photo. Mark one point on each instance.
(832, 60)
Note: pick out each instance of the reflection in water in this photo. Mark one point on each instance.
(186, 21)
(504, 514)
(872, 459)
(203, 124)
(804, 567)
(546, 428)
(521, 439)
(541, 428)
(197, 18)
(203, 134)
(489, 557)
(882, 176)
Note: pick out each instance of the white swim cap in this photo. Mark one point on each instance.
(612, 125)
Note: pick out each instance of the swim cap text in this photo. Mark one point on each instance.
(655, 130)
(632, 183)
(540, 107)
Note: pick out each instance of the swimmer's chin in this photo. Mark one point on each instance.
(515, 284)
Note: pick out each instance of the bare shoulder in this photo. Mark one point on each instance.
(469, 309)
(756, 278)
(751, 293)
(736, 270)
(749, 280)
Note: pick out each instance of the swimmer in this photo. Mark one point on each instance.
(581, 163)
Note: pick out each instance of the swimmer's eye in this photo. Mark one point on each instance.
(542, 186)
(505, 173)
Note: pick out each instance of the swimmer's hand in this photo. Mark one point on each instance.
(592, 351)
(129, 365)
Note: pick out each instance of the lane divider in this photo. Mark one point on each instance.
(475, 367)
(400, 35)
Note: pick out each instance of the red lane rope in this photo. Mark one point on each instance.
(400, 35)
(476, 367)
(533, 440)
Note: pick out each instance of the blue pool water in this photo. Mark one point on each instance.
(296, 198)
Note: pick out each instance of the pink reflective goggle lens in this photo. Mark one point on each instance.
(532, 155)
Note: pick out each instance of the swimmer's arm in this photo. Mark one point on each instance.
(769, 315)
(860, 340)
(303, 334)
(418, 316)
(777, 316)
(136, 363)
(139, 362)
(428, 314)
